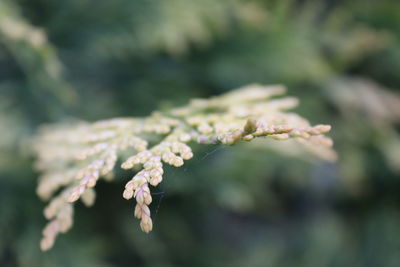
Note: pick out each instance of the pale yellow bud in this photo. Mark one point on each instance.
(278, 129)
(91, 182)
(248, 137)
(88, 197)
(155, 177)
(139, 180)
(142, 195)
(138, 211)
(279, 137)
(320, 129)
(177, 162)
(187, 155)
(146, 224)
(128, 194)
(76, 193)
(46, 243)
(147, 198)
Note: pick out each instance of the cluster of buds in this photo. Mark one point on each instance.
(89, 175)
(77, 157)
(138, 188)
(60, 212)
(172, 153)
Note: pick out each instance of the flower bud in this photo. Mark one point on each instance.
(146, 224)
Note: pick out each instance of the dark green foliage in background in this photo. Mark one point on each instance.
(243, 206)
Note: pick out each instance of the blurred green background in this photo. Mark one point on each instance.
(247, 205)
